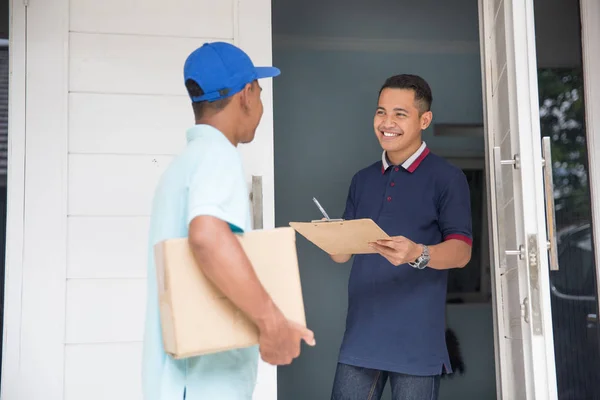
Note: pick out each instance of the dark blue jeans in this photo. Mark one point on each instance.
(356, 383)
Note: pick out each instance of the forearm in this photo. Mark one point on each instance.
(340, 258)
(449, 254)
(223, 261)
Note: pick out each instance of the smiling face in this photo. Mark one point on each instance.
(399, 120)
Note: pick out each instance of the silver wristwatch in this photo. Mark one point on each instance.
(423, 260)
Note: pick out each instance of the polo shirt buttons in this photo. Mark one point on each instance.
(392, 184)
(389, 198)
(396, 169)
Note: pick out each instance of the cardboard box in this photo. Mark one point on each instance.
(198, 319)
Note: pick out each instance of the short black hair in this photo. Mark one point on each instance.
(201, 108)
(423, 95)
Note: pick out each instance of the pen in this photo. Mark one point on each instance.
(321, 209)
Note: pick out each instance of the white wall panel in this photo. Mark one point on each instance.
(113, 185)
(42, 308)
(128, 64)
(103, 371)
(190, 18)
(128, 124)
(105, 310)
(107, 112)
(107, 247)
(14, 260)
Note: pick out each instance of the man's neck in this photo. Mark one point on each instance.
(400, 156)
(222, 126)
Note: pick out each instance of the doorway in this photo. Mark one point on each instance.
(573, 285)
(334, 57)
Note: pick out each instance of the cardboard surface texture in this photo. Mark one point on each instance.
(341, 237)
(198, 319)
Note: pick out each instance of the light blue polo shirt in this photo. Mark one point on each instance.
(206, 179)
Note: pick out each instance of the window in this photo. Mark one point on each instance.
(472, 283)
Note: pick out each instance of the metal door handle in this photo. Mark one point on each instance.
(498, 163)
(549, 195)
(500, 206)
(256, 199)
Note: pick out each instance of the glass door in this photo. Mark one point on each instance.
(573, 274)
(520, 276)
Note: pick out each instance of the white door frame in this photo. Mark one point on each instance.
(16, 201)
(43, 229)
(590, 38)
(509, 25)
(498, 323)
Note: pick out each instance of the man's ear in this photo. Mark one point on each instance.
(245, 96)
(426, 119)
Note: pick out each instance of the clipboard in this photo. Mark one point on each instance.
(341, 237)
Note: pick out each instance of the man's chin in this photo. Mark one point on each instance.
(248, 139)
(391, 146)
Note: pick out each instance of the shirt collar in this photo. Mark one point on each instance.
(202, 130)
(411, 163)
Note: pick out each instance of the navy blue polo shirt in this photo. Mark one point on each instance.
(396, 315)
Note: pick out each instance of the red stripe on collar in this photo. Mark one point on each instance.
(416, 159)
(412, 167)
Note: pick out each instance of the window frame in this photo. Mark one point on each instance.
(484, 295)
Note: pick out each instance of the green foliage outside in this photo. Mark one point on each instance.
(562, 118)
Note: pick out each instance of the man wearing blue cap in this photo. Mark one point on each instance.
(203, 196)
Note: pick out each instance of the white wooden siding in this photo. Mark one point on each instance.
(107, 379)
(128, 64)
(183, 18)
(105, 310)
(107, 111)
(89, 241)
(127, 124)
(113, 185)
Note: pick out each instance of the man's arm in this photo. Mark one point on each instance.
(222, 259)
(455, 225)
(340, 258)
(399, 250)
(452, 253)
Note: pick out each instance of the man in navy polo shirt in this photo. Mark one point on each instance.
(395, 326)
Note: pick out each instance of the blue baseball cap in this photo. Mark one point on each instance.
(222, 70)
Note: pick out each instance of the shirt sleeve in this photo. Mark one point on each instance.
(455, 210)
(216, 187)
(350, 211)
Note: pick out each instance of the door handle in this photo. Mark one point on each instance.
(498, 163)
(549, 195)
(500, 206)
(256, 199)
